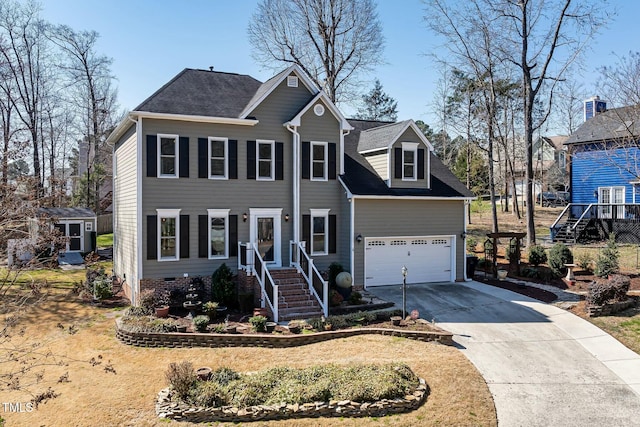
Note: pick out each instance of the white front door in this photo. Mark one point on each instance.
(265, 232)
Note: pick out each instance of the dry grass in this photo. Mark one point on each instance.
(95, 397)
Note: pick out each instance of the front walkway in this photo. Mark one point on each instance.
(544, 366)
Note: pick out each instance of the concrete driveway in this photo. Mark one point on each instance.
(544, 366)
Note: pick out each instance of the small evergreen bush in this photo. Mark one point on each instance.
(201, 322)
(559, 255)
(223, 290)
(334, 269)
(608, 261)
(602, 291)
(537, 255)
(584, 261)
(258, 323)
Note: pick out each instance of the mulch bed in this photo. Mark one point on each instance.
(530, 291)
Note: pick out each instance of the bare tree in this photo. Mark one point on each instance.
(333, 41)
(23, 51)
(88, 76)
(542, 38)
(619, 84)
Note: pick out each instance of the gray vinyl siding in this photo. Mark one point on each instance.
(322, 194)
(282, 104)
(125, 248)
(380, 163)
(195, 195)
(390, 218)
(409, 136)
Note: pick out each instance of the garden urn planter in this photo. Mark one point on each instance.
(162, 311)
(203, 373)
(271, 326)
(502, 274)
(395, 320)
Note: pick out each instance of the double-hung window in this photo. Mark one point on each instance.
(218, 233)
(168, 232)
(265, 157)
(218, 158)
(409, 161)
(168, 156)
(319, 231)
(319, 164)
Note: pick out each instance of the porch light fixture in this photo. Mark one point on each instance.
(244, 217)
(359, 238)
(286, 218)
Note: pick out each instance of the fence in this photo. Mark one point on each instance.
(105, 224)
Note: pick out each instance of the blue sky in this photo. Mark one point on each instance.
(151, 41)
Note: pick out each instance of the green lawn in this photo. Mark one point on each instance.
(105, 240)
(624, 326)
(55, 277)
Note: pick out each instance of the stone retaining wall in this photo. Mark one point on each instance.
(177, 339)
(166, 408)
(609, 309)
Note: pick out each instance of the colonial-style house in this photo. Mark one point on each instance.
(604, 175)
(267, 177)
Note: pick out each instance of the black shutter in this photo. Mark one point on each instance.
(306, 160)
(332, 160)
(152, 156)
(184, 157)
(420, 163)
(152, 237)
(184, 236)
(233, 159)
(203, 236)
(233, 235)
(306, 231)
(279, 161)
(332, 234)
(251, 160)
(397, 163)
(203, 153)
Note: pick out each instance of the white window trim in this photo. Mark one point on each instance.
(325, 176)
(320, 213)
(562, 159)
(410, 146)
(176, 139)
(218, 213)
(273, 160)
(226, 157)
(168, 213)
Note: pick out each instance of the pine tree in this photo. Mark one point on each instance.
(377, 105)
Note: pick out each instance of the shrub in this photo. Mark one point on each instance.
(530, 272)
(472, 242)
(147, 301)
(537, 255)
(602, 291)
(181, 377)
(608, 261)
(355, 298)
(201, 322)
(335, 299)
(334, 269)
(133, 323)
(258, 323)
(223, 290)
(584, 260)
(224, 375)
(210, 308)
(98, 284)
(559, 255)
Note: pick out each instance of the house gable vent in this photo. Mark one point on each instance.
(292, 81)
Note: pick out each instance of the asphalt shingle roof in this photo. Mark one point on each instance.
(361, 178)
(67, 212)
(203, 93)
(612, 124)
(379, 137)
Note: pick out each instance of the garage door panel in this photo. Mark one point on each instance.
(427, 259)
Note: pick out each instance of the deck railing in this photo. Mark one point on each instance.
(582, 214)
(249, 260)
(318, 287)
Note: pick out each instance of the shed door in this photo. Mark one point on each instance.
(74, 232)
(428, 259)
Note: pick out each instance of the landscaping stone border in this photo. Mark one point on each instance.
(194, 339)
(180, 411)
(610, 308)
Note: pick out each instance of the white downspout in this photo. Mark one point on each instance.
(344, 133)
(464, 242)
(296, 182)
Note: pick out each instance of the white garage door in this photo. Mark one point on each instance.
(428, 259)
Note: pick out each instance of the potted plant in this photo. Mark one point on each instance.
(201, 322)
(270, 326)
(162, 304)
(210, 309)
(258, 323)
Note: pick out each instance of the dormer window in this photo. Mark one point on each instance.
(409, 161)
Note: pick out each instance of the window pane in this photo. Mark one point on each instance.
(408, 171)
(217, 148)
(318, 243)
(408, 156)
(318, 170)
(168, 165)
(318, 152)
(318, 224)
(167, 247)
(168, 227)
(217, 236)
(167, 146)
(264, 151)
(217, 167)
(264, 169)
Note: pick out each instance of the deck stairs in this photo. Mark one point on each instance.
(565, 233)
(294, 298)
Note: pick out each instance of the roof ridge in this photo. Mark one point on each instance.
(162, 88)
(218, 72)
(385, 126)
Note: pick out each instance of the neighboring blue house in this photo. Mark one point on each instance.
(604, 176)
